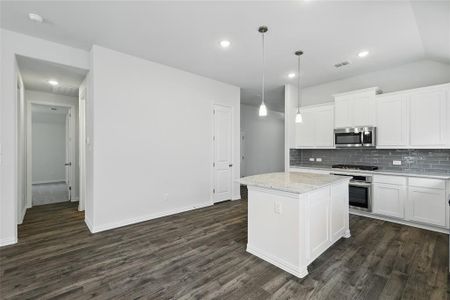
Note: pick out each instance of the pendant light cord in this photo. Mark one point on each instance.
(298, 84)
(263, 69)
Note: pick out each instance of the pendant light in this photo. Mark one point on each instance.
(262, 107)
(298, 115)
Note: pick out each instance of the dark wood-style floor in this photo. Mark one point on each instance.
(201, 255)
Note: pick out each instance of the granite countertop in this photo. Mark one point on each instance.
(293, 182)
(408, 173)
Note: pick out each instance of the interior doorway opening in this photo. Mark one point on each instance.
(49, 144)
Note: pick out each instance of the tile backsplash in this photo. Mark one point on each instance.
(414, 160)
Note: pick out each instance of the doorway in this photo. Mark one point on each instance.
(52, 150)
(223, 153)
(49, 146)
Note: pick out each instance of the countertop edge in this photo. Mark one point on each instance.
(379, 172)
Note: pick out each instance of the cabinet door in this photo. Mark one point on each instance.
(342, 117)
(304, 132)
(324, 127)
(427, 118)
(389, 200)
(427, 205)
(363, 111)
(392, 125)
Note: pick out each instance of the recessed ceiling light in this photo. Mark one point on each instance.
(291, 75)
(35, 18)
(225, 43)
(53, 82)
(363, 53)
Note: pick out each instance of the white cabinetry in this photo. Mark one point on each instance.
(428, 118)
(316, 130)
(356, 108)
(418, 118)
(389, 196)
(392, 120)
(427, 201)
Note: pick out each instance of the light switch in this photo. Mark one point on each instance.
(397, 162)
(311, 159)
(277, 207)
(319, 159)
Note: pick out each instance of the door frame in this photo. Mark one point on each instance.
(29, 134)
(213, 185)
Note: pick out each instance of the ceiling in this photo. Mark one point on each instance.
(186, 35)
(36, 74)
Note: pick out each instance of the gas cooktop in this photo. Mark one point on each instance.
(355, 167)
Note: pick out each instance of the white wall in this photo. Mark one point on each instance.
(407, 76)
(22, 151)
(49, 147)
(152, 135)
(263, 145)
(12, 44)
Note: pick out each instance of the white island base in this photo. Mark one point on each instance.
(291, 229)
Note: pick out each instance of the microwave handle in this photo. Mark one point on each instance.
(361, 134)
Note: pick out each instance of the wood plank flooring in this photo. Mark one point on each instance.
(201, 255)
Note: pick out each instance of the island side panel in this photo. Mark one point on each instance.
(273, 228)
(339, 211)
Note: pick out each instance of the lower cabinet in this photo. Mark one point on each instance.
(389, 200)
(427, 205)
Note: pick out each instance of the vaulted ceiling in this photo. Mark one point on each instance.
(186, 35)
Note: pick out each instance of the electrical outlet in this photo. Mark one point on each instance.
(397, 162)
(319, 159)
(311, 159)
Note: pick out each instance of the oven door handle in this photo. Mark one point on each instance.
(360, 184)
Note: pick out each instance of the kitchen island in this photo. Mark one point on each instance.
(294, 217)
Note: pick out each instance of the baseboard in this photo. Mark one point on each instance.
(22, 215)
(236, 197)
(280, 263)
(402, 222)
(89, 224)
(8, 241)
(112, 225)
(76, 199)
(48, 181)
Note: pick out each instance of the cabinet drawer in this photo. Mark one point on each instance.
(427, 183)
(397, 180)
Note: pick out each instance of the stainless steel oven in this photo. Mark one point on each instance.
(355, 137)
(360, 191)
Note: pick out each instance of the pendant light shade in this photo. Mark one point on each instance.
(262, 107)
(262, 110)
(298, 115)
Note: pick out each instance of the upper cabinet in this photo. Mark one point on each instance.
(392, 120)
(428, 118)
(316, 130)
(356, 108)
(416, 118)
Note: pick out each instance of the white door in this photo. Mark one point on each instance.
(222, 164)
(82, 146)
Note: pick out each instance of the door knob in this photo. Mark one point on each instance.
(230, 165)
(68, 164)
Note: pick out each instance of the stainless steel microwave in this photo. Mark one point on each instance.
(355, 137)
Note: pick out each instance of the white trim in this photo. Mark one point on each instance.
(8, 241)
(89, 224)
(403, 222)
(22, 215)
(236, 197)
(112, 225)
(49, 181)
(300, 272)
(75, 199)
